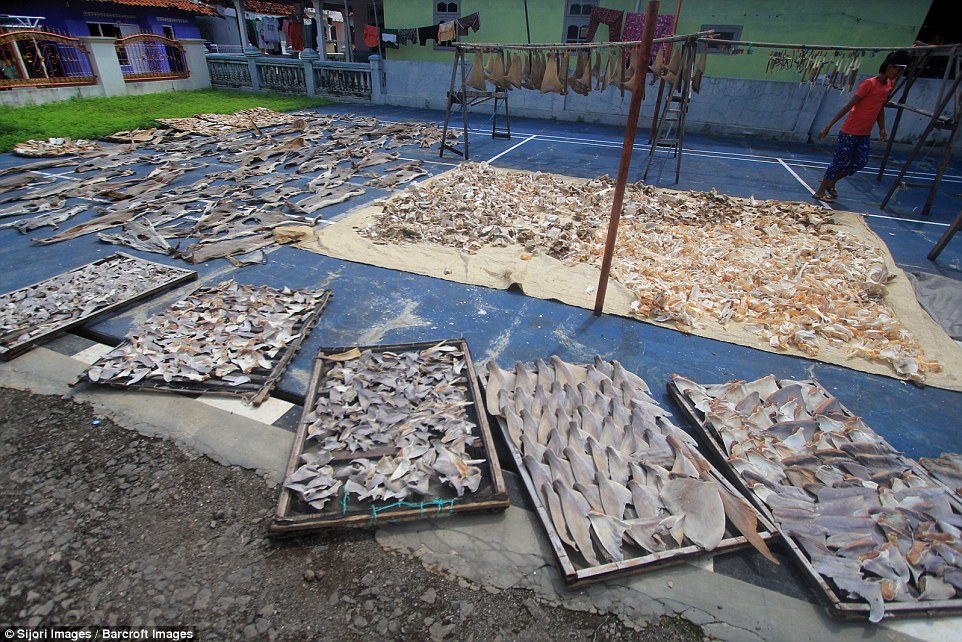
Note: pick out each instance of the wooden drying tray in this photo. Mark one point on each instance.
(262, 380)
(10, 350)
(577, 574)
(838, 607)
(293, 515)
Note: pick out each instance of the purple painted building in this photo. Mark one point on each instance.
(116, 19)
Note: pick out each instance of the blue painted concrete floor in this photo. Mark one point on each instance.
(377, 306)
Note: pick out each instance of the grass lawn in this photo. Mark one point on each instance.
(96, 117)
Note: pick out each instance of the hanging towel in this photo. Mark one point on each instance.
(610, 17)
(635, 29)
(472, 22)
(371, 36)
(407, 36)
(446, 32)
(427, 33)
(389, 38)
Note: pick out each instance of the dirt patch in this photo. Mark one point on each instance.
(101, 526)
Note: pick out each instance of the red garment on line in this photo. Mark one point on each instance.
(610, 17)
(296, 34)
(372, 36)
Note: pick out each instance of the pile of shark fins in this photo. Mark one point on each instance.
(617, 478)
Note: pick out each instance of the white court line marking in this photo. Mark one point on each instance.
(907, 220)
(828, 205)
(823, 204)
(513, 147)
(700, 153)
(268, 412)
(93, 353)
(757, 158)
(429, 162)
(804, 184)
(573, 140)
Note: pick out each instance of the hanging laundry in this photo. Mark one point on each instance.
(371, 36)
(270, 31)
(309, 34)
(427, 33)
(407, 36)
(389, 38)
(472, 22)
(610, 17)
(446, 32)
(295, 35)
(259, 34)
(635, 29)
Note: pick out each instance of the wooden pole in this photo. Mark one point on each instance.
(631, 128)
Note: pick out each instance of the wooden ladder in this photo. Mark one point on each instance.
(670, 130)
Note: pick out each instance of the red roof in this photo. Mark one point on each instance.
(268, 8)
(182, 5)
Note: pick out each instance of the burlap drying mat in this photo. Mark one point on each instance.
(544, 277)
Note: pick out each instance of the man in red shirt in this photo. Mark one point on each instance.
(866, 108)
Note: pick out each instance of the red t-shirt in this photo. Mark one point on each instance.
(873, 95)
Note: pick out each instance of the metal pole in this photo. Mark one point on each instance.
(348, 47)
(527, 25)
(321, 29)
(641, 75)
(374, 4)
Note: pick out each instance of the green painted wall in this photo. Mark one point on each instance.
(868, 23)
(878, 23)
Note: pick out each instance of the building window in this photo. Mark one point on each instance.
(577, 15)
(445, 12)
(107, 30)
(168, 31)
(104, 29)
(722, 32)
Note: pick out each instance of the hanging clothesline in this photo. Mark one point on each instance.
(774, 45)
(472, 46)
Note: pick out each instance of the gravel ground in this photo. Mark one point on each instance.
(101, 526)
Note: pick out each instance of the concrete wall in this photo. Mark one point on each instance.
(726, 106)
(110, 82)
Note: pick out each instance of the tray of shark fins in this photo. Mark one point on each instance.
(618, 488)
(390, 433)
(228, 338)
(873, 532)
(53, 306)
